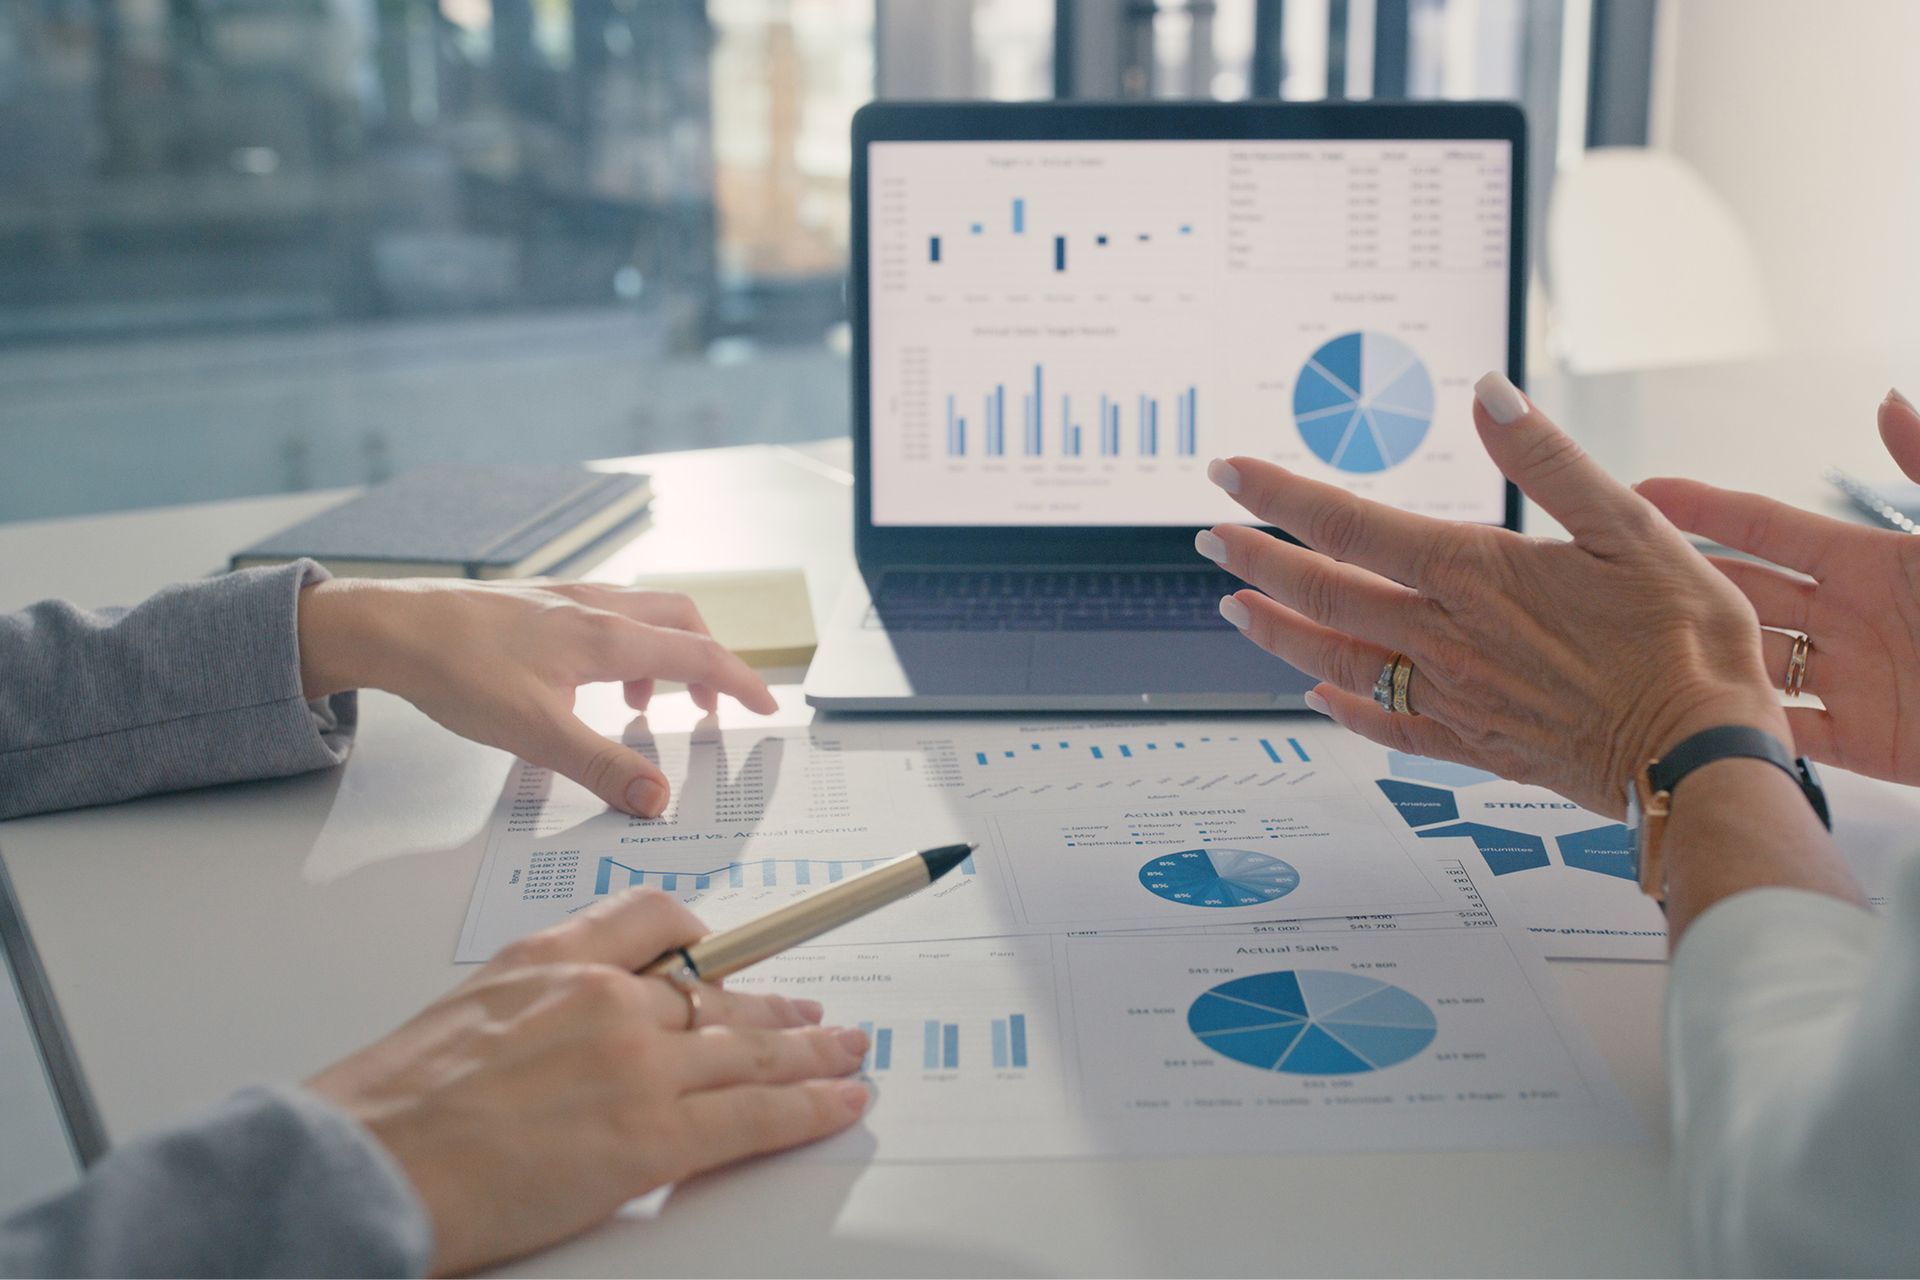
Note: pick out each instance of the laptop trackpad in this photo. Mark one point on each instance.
(964, 662)
(1163, 662)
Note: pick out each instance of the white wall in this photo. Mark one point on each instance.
(1805, 116)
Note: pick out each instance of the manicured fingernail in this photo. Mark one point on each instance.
(1893, 394)
(1317, 703)
(1211, 545)
(811, 1010)
(646, 797)
(1500, 398)
(852, 1039)
(854, 1094)
(1233, 611)
(1221, 472)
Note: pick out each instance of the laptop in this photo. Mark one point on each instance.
(1061, 312)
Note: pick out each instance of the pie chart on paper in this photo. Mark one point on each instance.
(1312, 1022)
(1363, 402)
(1218, 877)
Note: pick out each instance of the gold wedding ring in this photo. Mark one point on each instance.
(1390, 690)
(1402, 676)
(1797, 665)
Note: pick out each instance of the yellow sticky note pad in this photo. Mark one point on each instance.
(762, 615)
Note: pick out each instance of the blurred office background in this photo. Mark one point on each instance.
(257, 246)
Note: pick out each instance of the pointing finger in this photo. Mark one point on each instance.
(619, 775)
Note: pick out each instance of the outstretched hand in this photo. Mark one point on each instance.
(1567, 664)
(1854, 592)
(500, 664)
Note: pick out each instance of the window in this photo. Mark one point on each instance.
(249, 246)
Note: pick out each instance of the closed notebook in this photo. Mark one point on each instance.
(461, 521)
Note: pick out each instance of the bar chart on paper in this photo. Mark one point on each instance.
(612, 875)
(999, 1043)
(1150, 757)
(964, 1051)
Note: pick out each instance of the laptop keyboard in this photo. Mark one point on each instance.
(1050, 600)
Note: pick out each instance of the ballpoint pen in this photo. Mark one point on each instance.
(731, 950)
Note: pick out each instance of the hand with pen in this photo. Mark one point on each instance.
(499, 663)
(1854, 593)
(555, 1084)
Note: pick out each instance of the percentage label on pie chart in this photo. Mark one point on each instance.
(1363, 402)
(1219, 877)
(1312, 1022)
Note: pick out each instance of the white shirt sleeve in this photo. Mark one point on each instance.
(1793, 1041)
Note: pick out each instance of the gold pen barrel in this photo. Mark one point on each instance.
(719, 954)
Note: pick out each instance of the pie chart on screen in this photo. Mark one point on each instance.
(1363, 402)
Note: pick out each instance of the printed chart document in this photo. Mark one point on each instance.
(1568, 871)
(1303, 1036)
(1176, 936)
(1081, 825)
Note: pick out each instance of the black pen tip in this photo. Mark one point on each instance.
(946, 858)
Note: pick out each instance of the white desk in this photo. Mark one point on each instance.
(200, 941)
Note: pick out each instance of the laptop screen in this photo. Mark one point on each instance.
(1063, 333)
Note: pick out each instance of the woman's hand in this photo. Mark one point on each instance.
(1859, 605)
(555, 1085)
(500, 663)
(1567, 664)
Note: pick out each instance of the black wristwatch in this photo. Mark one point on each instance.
(1650, 793)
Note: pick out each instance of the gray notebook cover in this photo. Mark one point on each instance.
(461, 516)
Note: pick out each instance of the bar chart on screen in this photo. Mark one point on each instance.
(1087, 425)
(1061, 333)
(1022, 241)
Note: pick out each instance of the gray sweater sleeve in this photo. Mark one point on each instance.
(199, 685)
(272, 1182)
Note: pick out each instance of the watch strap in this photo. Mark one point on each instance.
(1734, 741)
